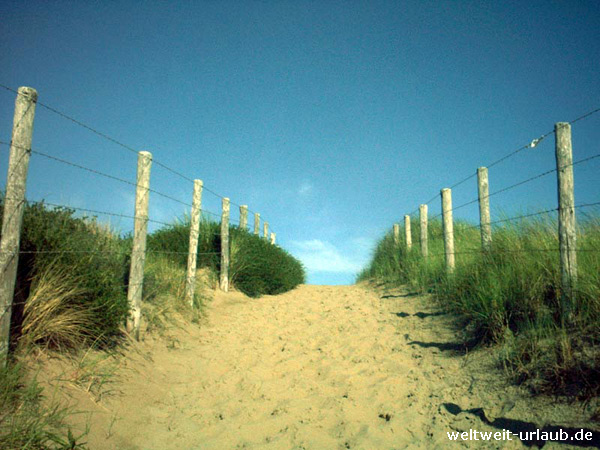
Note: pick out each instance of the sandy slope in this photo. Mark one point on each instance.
(321, 367)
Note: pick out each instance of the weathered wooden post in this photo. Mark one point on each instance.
(396, 234)
(448, 229)
(256, 223)
(407, 232)
(484, 207)
(225, 246)
(138, 252)
(266, 230)
(423, 230)
(193, 247)
(272, 238)
(14, 201)
(566, 216)
(243, 217)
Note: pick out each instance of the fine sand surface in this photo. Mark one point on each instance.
(321, 367)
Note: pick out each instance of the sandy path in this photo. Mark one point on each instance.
(321, 367)
(315, 368)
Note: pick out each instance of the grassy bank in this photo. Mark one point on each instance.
(511, 296)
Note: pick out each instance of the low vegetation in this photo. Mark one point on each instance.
(258, 268)
(511, 296)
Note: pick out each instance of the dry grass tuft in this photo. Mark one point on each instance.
(51, 318)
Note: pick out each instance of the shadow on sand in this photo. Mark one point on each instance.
(420, 315)
(454, 347)
(409, 294)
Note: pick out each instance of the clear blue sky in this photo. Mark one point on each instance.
(332, 119)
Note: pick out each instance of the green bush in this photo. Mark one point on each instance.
(172, 242)
(256, 266)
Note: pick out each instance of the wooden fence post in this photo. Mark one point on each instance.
(407, 232)
(225, 246)
(256, 223)
(272, 238)
(193, 246)
(138, 252)
(484, 207)
(423, 230)
(448, 229)
(396, 234)
(243, 217)
(14, 201)
(566, 216)
(266, 230)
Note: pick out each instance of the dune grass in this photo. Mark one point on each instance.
(511, 296)
(164, 292)
(53, 316)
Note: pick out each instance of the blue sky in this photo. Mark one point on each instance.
(332, 119)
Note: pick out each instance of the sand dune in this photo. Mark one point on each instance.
(321, 367)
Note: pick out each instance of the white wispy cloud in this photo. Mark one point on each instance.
(322, 256)
(305, 188)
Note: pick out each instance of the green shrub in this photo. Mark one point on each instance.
(256, 266)
(172, 242)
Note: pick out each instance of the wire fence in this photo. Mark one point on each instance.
(127, 148)
(565, 211)
(192, 210)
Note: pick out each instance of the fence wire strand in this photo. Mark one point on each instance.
(532, 144)
(520, 183)
(101, 252)
(94, 211)
(107, 213)
(99, 173)
(522, 216)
